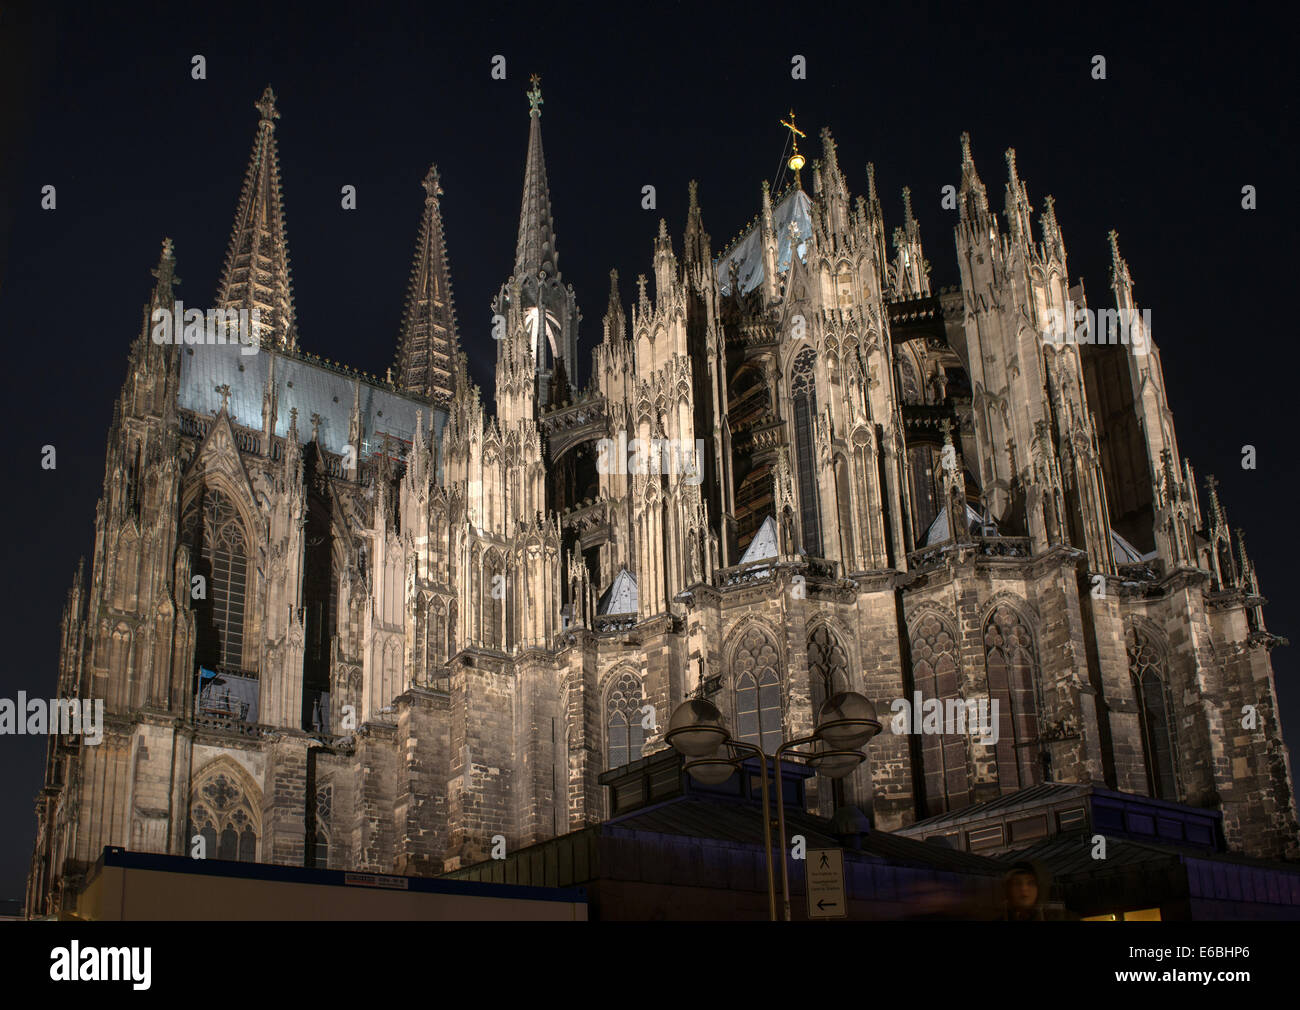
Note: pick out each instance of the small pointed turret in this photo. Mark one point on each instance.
(1053, 244)
(615, 319)
(911, 272)
(256, 273)
(1121, 281)
(1017, 203)
(974, 203)
(696, 245)
(835, 191)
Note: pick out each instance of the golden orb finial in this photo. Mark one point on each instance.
(796, 159)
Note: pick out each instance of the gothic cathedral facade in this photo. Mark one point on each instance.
(348, 622)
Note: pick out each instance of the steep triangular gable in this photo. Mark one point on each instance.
(621, 597)
(764, 544)
(218, 455)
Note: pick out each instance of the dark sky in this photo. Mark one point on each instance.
(99, 102)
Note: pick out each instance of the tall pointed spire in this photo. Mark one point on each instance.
(428, 345)
(256, 273)
(535, 250)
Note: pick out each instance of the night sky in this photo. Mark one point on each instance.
(101, 104)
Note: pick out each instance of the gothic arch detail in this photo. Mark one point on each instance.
(936, 674)
(1148, 672)
(756, 685)
(225, 809)
(624, 736)
(1012, 669)
(217, 536)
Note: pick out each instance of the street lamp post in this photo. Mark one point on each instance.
(845, 723)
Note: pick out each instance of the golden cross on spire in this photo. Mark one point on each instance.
(794, 130)
(796, 159)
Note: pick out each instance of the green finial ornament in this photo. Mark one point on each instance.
(535, 96)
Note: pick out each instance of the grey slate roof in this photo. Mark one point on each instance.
(311, 388)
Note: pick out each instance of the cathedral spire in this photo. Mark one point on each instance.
(536, 250)
(428, 344)
(256, 273)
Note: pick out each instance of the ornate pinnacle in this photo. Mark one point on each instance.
(266, 106)
(535, 95)
(432, 183)
(164, 271)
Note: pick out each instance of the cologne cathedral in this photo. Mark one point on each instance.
(372, 624)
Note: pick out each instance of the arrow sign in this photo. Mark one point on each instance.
(825, 884)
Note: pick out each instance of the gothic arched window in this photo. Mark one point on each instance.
(324, 801)
(934, 671)
(1009, 659)
(623, 720)
(220, 556)
(223, 813)
(758, 690)
(910, 385)
(803, 392)
(1147, 669)
(828, 665)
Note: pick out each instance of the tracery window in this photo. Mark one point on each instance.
(623, 720)
(1009, 659)
(828, 664)
(758, 690)
(225, 817)
(934, 673)
(324, 803)
(220, 555)
(1147, 670)
(804, 395)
